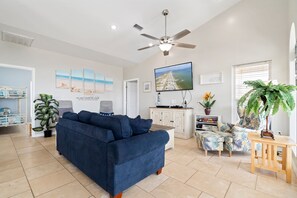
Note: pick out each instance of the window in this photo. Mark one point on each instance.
(244, 72)
(253, 71)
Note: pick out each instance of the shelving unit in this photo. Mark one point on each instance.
(13, 118)
(206, 120)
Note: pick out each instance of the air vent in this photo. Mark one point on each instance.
(17, 38)
(138, 27)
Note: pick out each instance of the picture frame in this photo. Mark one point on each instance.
(147, 86)
(212, 78)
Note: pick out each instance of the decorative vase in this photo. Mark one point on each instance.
(207, 111)
(48, 133)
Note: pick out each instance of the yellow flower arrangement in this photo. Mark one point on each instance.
(207, 100)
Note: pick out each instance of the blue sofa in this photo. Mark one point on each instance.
(107, 149)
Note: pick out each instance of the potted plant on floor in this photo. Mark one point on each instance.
(207, 102)
(46, 112)
(267, 99)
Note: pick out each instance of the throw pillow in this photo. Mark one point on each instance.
(106, 114)
(70, 116)
(140, 126)
(225, 127)
(85, 116)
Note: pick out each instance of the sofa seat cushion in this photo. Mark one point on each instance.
(140, 126)
(119, 124)
(70, 116)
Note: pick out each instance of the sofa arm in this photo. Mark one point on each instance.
(127, 149)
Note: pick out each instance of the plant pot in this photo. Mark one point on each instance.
(48, 133)
(207, 111)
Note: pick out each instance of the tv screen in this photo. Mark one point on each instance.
(174, 78)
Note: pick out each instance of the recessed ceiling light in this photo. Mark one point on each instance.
(113, 27)
(150, 44)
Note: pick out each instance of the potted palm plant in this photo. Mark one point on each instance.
(46, 112)
(267, 99)
(207, 102)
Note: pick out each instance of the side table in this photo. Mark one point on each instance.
(267, 159)
(170, 131)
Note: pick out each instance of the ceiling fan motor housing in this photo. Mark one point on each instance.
(165, 12)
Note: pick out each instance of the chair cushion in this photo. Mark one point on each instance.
(225, 127)
(85, 116)
(70, 116)
(140, 126)
(119, 124)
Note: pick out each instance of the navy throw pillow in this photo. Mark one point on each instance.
(106, 114)
(140, 126)
(85, 116)
(119, 124)
(70, 116)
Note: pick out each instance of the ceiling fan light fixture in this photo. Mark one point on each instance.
(165, 46)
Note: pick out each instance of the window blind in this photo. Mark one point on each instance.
(253, 71)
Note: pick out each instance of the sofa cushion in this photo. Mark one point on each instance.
(140, 126)
(119, 124)
(70, 116)
(85, 116)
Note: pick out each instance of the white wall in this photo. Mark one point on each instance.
(45, 64)
(250, 31)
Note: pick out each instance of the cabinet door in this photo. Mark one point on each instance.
(168, 118)
(179, 122)
(156, 116)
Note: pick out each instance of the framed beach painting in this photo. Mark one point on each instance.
(89, 82)
(99, 83)
(62, 79)
(77, 80)
(108, 84)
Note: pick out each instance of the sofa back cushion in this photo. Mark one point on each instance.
(119, 124)
(85, 116)
(140, 126)
(70, 116)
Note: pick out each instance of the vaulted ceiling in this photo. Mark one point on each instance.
(83, 27)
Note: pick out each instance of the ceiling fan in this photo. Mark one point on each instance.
(166, 42)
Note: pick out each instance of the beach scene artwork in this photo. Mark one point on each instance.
(77, 80)
(99, 83)
(108, 84)
(62, 79)
(89, 82)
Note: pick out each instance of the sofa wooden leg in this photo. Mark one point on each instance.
(205, 152)
(159, 171)
(220, 152)
(117, 196)
(230, 153)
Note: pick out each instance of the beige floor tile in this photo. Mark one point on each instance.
(179, 172)
(151, 182)
(49, 182)
(25, 143)
(33, 162)
(182, 159)
(29, 149)
(8, 157)
(7, 150)
(82, 178)
(11, 174)
(167, 161)
(212, 185)
(135, 191)
(205, 195)
(73, 190)
(238, 176)
(225, 161)
(171, 153)
(276, 187)
(62, 160)
(45, 169)
(173, 188)
(283, 177)
(97, 191)
(237, 190)
(14, 187)
(10, 164)
(70, 167)
(27, 194)
(35, 154)
(205, 166)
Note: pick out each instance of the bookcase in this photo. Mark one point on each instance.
(202, 121)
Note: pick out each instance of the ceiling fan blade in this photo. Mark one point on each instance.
(166, 53)
(181, 34)
(184, 45)
(150, 37)
(146, 47)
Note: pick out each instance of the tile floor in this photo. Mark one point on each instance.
(31, 167)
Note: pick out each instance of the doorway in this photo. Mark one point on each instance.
(131, 97)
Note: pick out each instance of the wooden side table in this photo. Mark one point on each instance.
(267, 159)
(170, 131)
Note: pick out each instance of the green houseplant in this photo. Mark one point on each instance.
(267, 99)
(46, 112)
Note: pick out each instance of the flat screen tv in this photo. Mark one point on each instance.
(174, 78)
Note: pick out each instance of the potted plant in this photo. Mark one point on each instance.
(46, 112)
(207, 102)
(267, 99)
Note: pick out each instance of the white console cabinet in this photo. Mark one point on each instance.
(179, 118)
